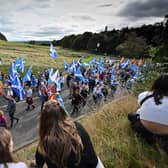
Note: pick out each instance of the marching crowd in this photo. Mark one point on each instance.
(63, 142)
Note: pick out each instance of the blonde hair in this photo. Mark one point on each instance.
(1, 113)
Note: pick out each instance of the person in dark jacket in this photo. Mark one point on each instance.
(11, 107)
(63, 142)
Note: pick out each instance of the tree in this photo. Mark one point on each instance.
(94, 40)
(133, 46)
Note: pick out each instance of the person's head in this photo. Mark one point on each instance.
(160, 88)
(58, 134)
(1, 113)
(6, 146)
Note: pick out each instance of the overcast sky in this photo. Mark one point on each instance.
(52, 19)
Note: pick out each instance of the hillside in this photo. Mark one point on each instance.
(2, 37)
(35, 55)
(115, 143)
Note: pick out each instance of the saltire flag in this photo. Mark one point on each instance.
(79, 75)
(134, 68)
(53, 52)
(13, 72)
(55, 76)
(85, 64)
(124, 64)
(66, 66)
(58, 84)
(34, 81)
(19, 64)
(73, 67)
(93, 61)
(51, 72)
(18, 87)
(27, 77)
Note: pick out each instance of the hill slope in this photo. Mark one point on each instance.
(115, 143)
(2, 37)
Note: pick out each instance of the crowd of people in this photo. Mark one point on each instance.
(65, 143)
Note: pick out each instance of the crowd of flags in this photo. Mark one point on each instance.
(75, 67)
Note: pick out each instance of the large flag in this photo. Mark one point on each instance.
(18, 88)
(73, 67)
(13, 72)
(55, 76)
(79, 75)
(27, 77)
(53, 52)
(19, 64)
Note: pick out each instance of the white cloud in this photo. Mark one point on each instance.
(52, 19)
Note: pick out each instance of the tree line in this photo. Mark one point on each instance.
(142, 42)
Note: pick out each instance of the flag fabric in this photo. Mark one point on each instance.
(19, 64)
(58, 84)
(27, 77)
(124, 64)
(55, 76)
(18, 88)
(34, 81)
(79, 75)
(93, 61)
(66, 66)
(13, 72)
(73, 67)
(53, 52)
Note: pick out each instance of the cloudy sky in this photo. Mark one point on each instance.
(52, 19)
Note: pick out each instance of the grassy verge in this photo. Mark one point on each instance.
(114, 141)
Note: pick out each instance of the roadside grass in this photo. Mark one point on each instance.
(36, 55)
(114, 141)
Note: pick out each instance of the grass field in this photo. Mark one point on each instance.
(115, 143)
(36, 55)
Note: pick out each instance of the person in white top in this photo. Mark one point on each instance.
(6, 148)
(151, 119)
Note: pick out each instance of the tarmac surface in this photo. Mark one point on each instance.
(26, 131)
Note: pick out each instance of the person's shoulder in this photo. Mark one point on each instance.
(142, 95)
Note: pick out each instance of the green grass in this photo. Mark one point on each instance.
(114, 141)
(35, 55)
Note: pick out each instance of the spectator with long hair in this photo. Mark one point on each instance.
(62, 142)
(6, 148)
(3, 120)
(151, 119)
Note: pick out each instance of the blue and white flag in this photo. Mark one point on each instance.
(19, 64)
(34, 81)
(27, 77)
(125, 64)
(18, 88)
(66, 66)
(53, 52)
(93, 61)
(73, 67)
(13, 72)
(79, 75)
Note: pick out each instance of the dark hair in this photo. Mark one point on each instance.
(160, 88)
(59, 137)
(5, 142)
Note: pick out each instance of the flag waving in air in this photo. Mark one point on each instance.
(53, 52)
(27, 77)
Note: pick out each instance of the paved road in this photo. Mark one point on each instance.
(26, 131)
